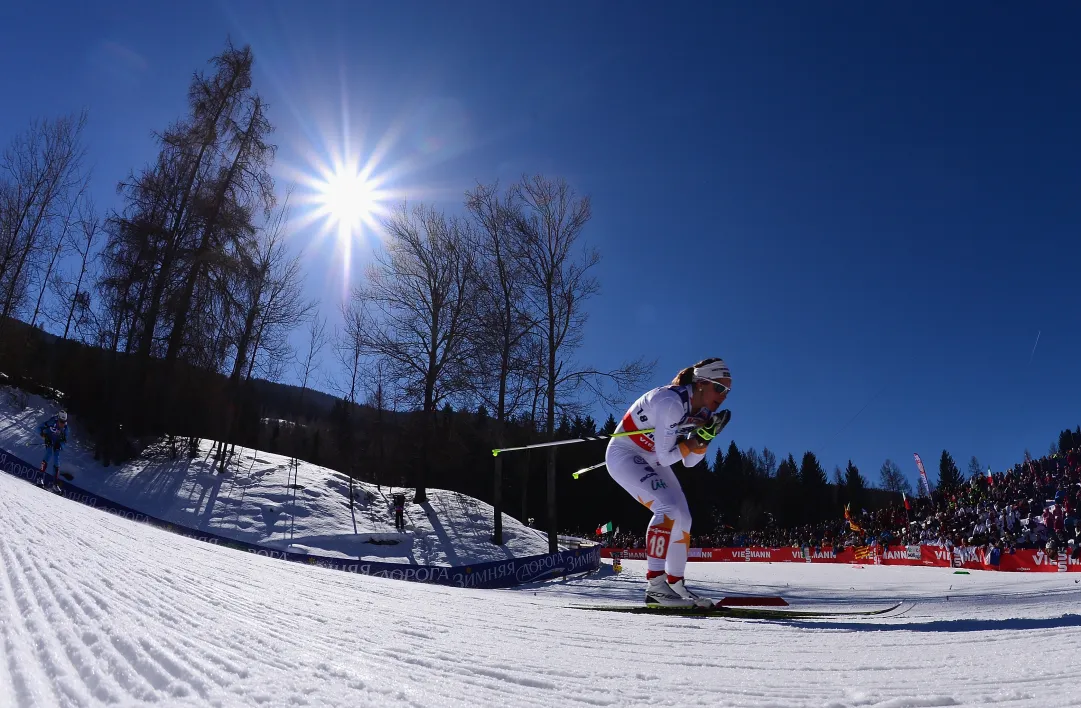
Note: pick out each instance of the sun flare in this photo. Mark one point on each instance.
(345, 199)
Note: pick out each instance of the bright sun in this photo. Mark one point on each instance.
(346, 198)
(343, 197)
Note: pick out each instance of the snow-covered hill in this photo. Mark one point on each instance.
(253, 500)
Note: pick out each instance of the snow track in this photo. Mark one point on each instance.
(97, 610)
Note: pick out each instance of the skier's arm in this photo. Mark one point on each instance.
(699, 440)
(670, 449)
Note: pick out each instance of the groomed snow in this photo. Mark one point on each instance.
(99, 610)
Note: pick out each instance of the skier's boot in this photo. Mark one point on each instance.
(680, 589)
(659, 592)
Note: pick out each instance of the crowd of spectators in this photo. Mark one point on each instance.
(1034, 505)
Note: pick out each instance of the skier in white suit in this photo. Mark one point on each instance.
(685, 417)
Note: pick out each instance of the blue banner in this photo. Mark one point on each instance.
(492, 574)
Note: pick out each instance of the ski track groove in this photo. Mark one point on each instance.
(42, 635)
(14, 630)
(78, 649)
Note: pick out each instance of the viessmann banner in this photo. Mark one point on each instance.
(1027, 560)
(493, 574)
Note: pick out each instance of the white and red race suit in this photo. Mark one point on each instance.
(642, 464)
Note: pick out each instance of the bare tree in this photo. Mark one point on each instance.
(178, 253)
(308, 365)
(310, 362)
(272, 302)
(73, 299)
(244, 187)
(420, 292)
(38, 173)
(382, 397)
(350, 345)
(60, 242)
(163, 219)
(187, 216)
(504, 318)
(769, 462)
(893, 479)
(975, 469)
(550, 217)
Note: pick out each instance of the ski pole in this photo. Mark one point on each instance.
(622, 434)
(625, 433)
(586, 469)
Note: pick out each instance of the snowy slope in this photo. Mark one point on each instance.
(98, 610)
(253, 502)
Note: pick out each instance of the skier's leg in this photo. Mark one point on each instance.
(45, 463)
(656, 488)
(676, 561)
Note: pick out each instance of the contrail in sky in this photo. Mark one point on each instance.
(1034, 346)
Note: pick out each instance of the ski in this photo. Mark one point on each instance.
(752, 601)
(741, 612)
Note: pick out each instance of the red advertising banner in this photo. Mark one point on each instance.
(1033, 561)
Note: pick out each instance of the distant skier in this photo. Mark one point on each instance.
(54, 433)
(685, 417)
(399, 512)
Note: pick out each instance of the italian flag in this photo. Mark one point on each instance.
(904, 498)
(604, 528)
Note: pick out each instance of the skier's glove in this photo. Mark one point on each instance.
(692, 446)
(711, 428)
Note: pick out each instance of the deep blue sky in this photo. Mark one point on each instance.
(840, 199)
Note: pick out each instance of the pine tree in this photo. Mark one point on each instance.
(732, 469)
(1069, 439)
(949, 477)
(788, 469)
(811, 472)
(729, 483)
(718, 461)
(609, 425)
(790, 496)
(855, 485)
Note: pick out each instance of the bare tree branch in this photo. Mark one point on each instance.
(421, 294)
